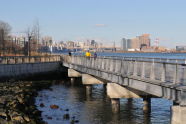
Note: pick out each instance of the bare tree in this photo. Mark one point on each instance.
(33, 35)
(5, 29)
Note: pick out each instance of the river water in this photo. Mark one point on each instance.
(96, 109)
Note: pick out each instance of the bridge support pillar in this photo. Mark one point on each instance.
(115, 92)
(178, 114)
(73, 74)
(147, 104)
(115, 105)
(72, 81)
(130, 100)
(88, 90)
(105, 88)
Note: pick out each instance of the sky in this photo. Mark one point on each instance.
(106, 21)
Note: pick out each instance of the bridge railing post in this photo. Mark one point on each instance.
(103, 63)
(143, 70)
(128, 68)
(123, 70)
(175, 78)
(163, 72)
(118, 66)
(135, 68)
(183, 74)
(152, 74)
(107, 65)
(112, 65)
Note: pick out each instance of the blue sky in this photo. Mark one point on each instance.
(105, 20)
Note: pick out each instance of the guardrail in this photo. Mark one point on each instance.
(27, 59)
(156, 69)
(166, 60)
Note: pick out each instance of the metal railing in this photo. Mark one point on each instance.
(28, 59)
(156, 69)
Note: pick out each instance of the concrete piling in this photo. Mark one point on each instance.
(115, 105)
(88, 90)
(105, 88)
(147, 104)
(178, 114)
(72, 81)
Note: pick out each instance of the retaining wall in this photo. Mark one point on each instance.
(16, 71)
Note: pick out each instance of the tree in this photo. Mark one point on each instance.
(33, 36)
(5, 29)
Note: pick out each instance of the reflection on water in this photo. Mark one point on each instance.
(96, 109)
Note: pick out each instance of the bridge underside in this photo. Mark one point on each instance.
(121, 86)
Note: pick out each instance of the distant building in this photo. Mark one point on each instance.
(137, 43)
(93, 42)
(144, 40)
(70, 44)
(123, 44)
(20, 41)
(47, 41)
(180, 48)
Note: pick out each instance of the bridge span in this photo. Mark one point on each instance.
(134, 78)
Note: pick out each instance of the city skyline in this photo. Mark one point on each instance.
(100, 20)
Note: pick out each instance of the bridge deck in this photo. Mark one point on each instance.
(159, 78)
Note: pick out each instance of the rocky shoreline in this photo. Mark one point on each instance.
(17, 102)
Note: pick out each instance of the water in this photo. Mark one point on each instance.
(96, 109)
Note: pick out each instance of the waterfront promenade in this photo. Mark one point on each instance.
(122, 77)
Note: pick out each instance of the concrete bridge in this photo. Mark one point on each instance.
(134, 78)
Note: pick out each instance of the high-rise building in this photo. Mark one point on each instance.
(129, 43)
(144, 40)
(124, 44)
(136, 43)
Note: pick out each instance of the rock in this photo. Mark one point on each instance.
(73, 117)
(17, 102)
(54, 106)
(20, 99)
(42, 105)
(50, 89)
(66, 116)
(50, 118)
(26, 118)
(76, 121)
(3, 115)
(2, 121)
(17, 118)
(72, 122)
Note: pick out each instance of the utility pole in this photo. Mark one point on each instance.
(29, 47)
(3, 41)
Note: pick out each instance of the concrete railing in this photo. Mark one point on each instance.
(27, 59)
(170, 71)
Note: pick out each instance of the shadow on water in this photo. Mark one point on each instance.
(96, 108)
